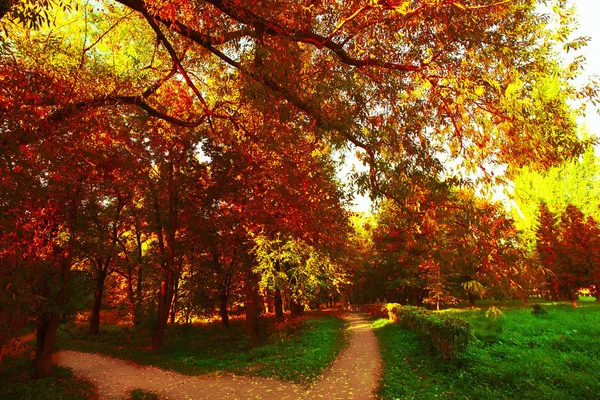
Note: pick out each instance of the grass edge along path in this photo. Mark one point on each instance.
(290, 353)
(353, 375)
(519, 355)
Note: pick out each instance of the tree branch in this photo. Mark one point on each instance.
(138, 101)
(176, 60)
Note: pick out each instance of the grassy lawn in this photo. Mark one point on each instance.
(555, 355)
(292, 353)
(16, 383)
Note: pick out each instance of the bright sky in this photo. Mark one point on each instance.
(589, 25)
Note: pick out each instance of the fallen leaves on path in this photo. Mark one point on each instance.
(353, 375)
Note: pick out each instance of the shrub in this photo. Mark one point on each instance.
(538, 310)
(446, 335)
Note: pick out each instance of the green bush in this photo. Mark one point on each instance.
(446, 335)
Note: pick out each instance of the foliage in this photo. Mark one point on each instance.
(156, 139)
(376, 309)
(449, 336)
(16, 383)
(574, 182)
(494, 312)
(458, 245)
(198, 349)
(297, 267)
(446, 335)
(551, 356)
(568, 249)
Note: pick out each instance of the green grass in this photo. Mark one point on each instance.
(16, 383)
(518, 356)
(290, 354)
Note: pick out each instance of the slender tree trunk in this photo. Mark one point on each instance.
(296, 309)
(97, 304)
(278, 304)
(168, 263)
(223, 300)
(174, 303)
(574, 303)
(164, 305)
(471, 300)
(46, 328)
(137, 309)
(251, 289)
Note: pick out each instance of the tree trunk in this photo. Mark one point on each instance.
(471, 300)
(278, 305)
(46, 328)
(296, 309)
(164, 305)
(97, 304)
(174, 303)
(137, 306)
(223, 308)
(137, 299)
(47, 323)
(168, 261)
(574, 303)
(251, 289)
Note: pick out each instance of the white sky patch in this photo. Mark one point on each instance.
(589, 25)
(350, 165)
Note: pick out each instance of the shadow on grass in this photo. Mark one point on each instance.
(16, 383)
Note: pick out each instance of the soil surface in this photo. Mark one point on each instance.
(353, 375)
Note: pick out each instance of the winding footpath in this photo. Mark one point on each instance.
(353, 375)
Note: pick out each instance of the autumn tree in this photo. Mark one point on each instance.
(573, 182)
(405, 85)
(567, 248)
(458, 244)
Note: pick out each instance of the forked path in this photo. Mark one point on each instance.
(353, 375)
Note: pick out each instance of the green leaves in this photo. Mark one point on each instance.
(449, 336)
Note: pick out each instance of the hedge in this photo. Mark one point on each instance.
(446, 335)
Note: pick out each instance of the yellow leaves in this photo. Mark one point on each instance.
(479, 91)
(513, 90)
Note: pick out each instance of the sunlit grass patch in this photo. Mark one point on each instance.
(521, 355)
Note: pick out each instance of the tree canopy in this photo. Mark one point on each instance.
(183, 151)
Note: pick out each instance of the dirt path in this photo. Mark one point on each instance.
(353, 375)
